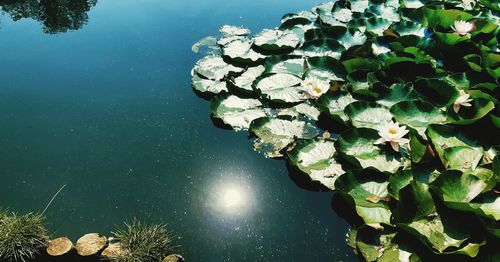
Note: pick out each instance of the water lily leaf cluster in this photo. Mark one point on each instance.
(391, 104)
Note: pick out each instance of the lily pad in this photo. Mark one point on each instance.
(335, 104)
(444, 137)
(357, 145)
(369, 194)
(316, 159)
(277, 41)
(241, 52)
(369, 115)
(275, 134)
(236, 112)
(418, 115)
(282, 88)
(285, 65)
(244, 82)
(208, 86)
(214, 68)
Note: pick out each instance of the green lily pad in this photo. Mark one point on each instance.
(462, 157)
(335, 104)
(325, 68)
(275, 134)
(322, 47)
(282, 88)
(241, 52)
(369, 194)
(357, 146)
(436, 91)
(397, 93)
(369, 115)
(383, 246)
(236, 112)
(418, 115)
(277, 40)
(352, 38)
(214, 68)
(316, 159)
(398, 181)
(456, 186)
(438, 230)
(488, 208)
(293, 65)
(229, 30)
(305, 109)
(444, 137)
(244, 82)
(444, 19)
(207, 86)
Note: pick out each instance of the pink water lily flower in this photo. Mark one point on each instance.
(393, 133)
(463, 100)
(462, 27)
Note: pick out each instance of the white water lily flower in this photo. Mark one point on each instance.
(462, 27)
(315, 87)
(463, 100)
(393, 133)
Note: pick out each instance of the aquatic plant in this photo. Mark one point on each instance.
(406, 135)
(22, 237)
(141, 242)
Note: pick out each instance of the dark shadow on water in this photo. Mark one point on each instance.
(219, 123)
(302, 180)
(340, 204)
(56, 16)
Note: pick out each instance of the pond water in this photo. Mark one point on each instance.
(108, 111)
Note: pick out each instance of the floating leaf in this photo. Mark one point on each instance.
(360, 187)
(277, 40)
(418, 115)
(316, 159)
(208, 86)
(228, 30)
(357, 146)
(214, 68)
(370, 115)
(456, 186)
(275, 134)
(440, 231)
(285, 65)
(241, 52)
(444, 137)
(397, 93)
(283, 88)
(244, 82)
(236, 112)
(335, 104)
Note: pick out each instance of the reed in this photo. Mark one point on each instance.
(142, 242)
(22, 237)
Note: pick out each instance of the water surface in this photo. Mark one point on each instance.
(108, 110)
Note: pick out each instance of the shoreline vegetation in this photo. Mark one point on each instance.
(23, 238)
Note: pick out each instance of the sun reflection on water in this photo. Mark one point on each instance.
(231, 197)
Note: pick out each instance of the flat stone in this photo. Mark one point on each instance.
(113, 250)
(90, 244)
(174, 258)
(59, 246)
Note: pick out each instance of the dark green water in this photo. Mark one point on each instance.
(108, 110)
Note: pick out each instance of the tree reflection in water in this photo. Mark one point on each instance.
(57, 16)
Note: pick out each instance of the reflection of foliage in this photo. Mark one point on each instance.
(22, 237)
(429, 67)
(56, 15)
(142, 242)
